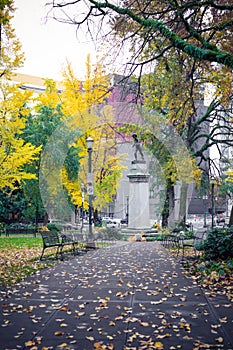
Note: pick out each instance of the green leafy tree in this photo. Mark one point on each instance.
(12, 205)
(46, 117)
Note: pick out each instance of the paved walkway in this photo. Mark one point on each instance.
(129, 296)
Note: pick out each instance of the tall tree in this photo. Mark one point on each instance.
(176, 91)
(188, 46)
(85, 103)
(15, 153)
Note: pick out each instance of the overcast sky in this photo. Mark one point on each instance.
(48, 44)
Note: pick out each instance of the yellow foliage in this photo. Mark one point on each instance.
(221, 82)
(229, 176)
(14, 155)
(50, 97)
(182, 167)
(14, 152)
(83, 106)
(169, 92)
(11, 56)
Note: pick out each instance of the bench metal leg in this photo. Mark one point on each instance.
(42, 253)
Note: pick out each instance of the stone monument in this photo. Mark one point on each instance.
(139, 214)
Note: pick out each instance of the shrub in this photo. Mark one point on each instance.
(111, 233)
(20, 225)
(219, 244)
(54, 227)
(188, 234)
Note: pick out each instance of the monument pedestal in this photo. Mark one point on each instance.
(139, 214)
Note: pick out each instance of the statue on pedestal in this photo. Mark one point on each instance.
(138, 148)
(139, 211)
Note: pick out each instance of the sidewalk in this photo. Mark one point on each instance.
(128, 296)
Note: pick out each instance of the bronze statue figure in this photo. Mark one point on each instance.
(138, 147)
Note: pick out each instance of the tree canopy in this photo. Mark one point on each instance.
(201, 29)
(186, 47)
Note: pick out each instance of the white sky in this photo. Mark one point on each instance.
(49, 44)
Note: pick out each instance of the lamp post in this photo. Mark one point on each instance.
(205, 198)
(82, 189)
(89, 143)
(212, 182)
(127, 213)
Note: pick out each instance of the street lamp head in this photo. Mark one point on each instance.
(89, 142)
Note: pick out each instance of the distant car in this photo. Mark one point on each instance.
(112, 223)
(124, 221)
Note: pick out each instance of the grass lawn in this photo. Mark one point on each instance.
(19, 258)
(20, 242)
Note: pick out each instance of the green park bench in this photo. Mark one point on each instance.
(54, 239)
(176, 240)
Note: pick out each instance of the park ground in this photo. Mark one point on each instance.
(132, 295)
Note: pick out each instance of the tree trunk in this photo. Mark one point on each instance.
(46, 219)
(165, 211)
(231, 217)
(171, 220)
(183, 204)
(37, 216)
(168, 209)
